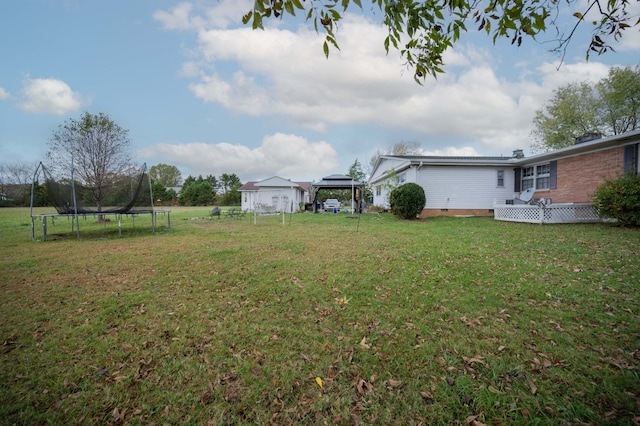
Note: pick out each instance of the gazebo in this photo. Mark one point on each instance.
(339, 182)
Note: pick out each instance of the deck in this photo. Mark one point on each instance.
(551, 213)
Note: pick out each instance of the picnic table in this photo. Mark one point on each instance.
(235, 213)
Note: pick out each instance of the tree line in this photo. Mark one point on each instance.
(211, 190)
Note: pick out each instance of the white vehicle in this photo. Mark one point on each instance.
(331, 204)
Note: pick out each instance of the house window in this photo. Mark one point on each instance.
(378, 190)
(403, 178)
(500, 178)
(528, 178)
(543, 172)
(538, 177)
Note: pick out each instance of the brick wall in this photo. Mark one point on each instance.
(579, 176)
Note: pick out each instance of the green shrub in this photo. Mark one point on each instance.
(407, 201)
(620, 199)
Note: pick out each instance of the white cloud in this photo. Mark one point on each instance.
(465, 151)
(282, 72)
(223, 14)
(4, 94)
(288, 156)
(178, 18)
(49, 96)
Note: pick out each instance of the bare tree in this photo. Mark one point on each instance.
(15, 181)
(406, 148)
(97, 150)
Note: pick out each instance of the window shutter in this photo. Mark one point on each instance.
(630, 160)
(553, 174)
(518, 176)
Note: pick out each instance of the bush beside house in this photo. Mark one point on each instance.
(407, 201)
(620, 199)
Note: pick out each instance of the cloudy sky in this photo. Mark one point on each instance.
(198, 90)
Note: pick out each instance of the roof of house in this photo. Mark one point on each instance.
(249, 186)
(583, 148)
(274, 182)
(594, 145)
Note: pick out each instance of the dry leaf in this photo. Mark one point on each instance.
(395, 383)
(364, 387)
(493, 389)
(319, 382)
(115, 414)
(363, 343)
(450, 381)
(533, 387)
(469, 419)
(426, 395)
(342, 300)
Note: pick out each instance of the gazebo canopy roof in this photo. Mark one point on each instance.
(337, 181)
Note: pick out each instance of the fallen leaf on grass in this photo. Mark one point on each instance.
(395, 383)
(621, 363)
(319, 382)
(471, 420)
(342, 300)
(363, 343)
(304, 357)
(476, 359)
(493, 389)
(450, 381)
(115, 414)
(364, 387)
(426, 395)
(533, 387)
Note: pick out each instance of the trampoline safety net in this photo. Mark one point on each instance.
(128, 192)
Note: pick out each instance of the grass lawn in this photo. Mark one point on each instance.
(326, 319)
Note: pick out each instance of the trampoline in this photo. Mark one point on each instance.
(126, 194)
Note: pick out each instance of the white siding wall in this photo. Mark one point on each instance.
(274, 197)
(382, 200)
(247, 199)
(452, 187)
(387, 164)
(465, 187)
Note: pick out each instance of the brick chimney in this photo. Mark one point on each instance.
(587, 137)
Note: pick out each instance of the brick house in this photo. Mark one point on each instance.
(574, 172)
(474, 185)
